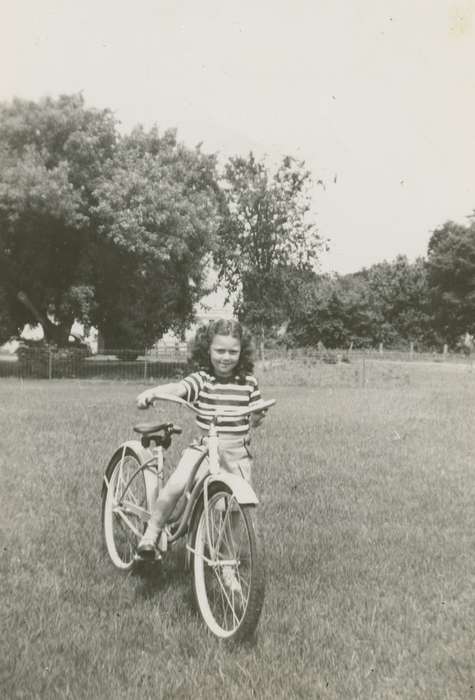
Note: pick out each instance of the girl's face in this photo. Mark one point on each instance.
(224, 354)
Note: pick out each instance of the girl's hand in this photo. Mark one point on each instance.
(145, 398)
(173, 388)
(257, 418)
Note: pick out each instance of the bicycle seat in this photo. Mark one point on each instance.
(150, 428)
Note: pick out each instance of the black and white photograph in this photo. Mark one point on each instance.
(237, 341)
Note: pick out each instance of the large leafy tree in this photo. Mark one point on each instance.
(93, 226)
(50, 157)
(451, 274)
(156, 218)
(266, 236)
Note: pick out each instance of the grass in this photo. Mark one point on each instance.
(367, 511)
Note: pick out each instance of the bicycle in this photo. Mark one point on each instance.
(217, 517)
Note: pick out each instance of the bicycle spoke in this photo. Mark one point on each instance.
(225, 520)
(218, 596)
(125, 510)
(228, 593)
(230, 606)
(128, 522)
(223, 544)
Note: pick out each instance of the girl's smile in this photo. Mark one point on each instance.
(224, 354)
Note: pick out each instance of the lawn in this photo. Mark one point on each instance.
(367, 509)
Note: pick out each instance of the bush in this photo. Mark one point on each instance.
(127, 355)
(39, 360)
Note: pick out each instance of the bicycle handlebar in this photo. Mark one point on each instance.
(261, 405)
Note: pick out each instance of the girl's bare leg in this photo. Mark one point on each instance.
(166, 502)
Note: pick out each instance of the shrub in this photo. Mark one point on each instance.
(39, 360)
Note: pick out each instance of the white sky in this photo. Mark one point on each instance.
(379, 93)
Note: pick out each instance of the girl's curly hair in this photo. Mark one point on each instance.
(204, 337)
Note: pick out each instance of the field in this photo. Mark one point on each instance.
(367, 509)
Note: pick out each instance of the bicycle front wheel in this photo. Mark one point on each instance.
(228, 566)
(124, 509)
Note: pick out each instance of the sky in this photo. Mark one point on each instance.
(376, 96)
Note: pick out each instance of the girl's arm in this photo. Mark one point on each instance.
(173, 388)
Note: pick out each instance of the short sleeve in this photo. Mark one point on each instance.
(193, 384)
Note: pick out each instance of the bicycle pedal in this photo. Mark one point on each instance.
(139, 559)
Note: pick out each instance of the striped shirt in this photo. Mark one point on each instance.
(206, 392)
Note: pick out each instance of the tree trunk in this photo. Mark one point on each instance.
(57, 334)
(261, 343)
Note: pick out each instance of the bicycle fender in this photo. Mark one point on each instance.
(134, 446)
(143, 453)
(241, 489)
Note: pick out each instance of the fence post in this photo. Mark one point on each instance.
(411, 351)
(50, 364)
(145, 366)
(380, 348)
(446, 348)
(363, 373)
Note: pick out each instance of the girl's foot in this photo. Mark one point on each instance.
(147, 546)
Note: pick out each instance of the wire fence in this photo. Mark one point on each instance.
(361, 370)
(336, 356)
(47, 363)
(287, 367)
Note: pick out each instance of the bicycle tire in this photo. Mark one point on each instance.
(120, 540)
(230, 615)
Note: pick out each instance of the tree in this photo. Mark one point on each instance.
(387, 303)
(265, 236)
(156, 219)
(333, 310)
(7, 324)
(451, 275)
(107, 229)
(51, 155)
(399, 299)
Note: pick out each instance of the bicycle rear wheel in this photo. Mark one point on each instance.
(228, 566)
(124, 509)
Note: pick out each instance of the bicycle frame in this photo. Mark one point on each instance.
(151, 462)
(217, 519)
(153, 465)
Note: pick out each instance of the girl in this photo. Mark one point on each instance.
(223, 350)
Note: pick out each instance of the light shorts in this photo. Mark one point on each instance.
(234, 455)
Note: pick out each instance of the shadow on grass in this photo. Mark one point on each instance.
(156, 578)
